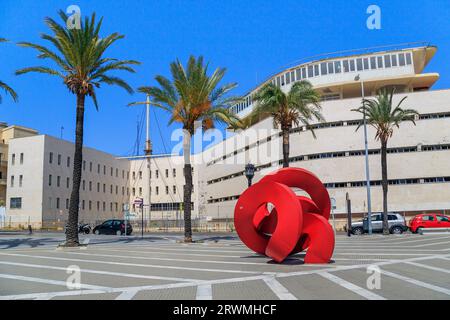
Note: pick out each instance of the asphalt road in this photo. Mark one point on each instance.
(220, 267)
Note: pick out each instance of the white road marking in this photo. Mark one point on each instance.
(47, 281)
(128, 264)
(127, 295)
(432, 244)
(102, 272)
(204, 292)
(352, 287)
(416, 282)
(170, 259)
(425, 266)
(280, 290)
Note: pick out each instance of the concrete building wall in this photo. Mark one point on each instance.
(418, 164)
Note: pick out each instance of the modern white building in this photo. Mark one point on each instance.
(418, 166)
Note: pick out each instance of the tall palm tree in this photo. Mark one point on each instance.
(300, 105)
(384, 117)
(5, 87)
(81, 64)
(193, 98)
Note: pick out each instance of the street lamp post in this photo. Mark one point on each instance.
(366, 149)
(249, 173)
(333, 207)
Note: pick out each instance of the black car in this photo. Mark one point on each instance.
(113, 226)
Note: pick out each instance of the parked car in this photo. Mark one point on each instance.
(396, 223)
(428, 220)
(113, 226)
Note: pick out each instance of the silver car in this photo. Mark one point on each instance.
(396, 222)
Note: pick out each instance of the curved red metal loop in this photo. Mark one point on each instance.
(289, 223)
(295, 223)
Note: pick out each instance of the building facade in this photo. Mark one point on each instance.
(418, 167)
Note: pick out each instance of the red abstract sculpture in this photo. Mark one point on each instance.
(296, 223)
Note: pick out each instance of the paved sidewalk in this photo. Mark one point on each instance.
(221, 267)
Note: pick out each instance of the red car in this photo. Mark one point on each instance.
(429, 220)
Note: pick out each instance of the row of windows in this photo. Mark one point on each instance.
(340, 154)
(337, 185)
(113, 171)
(374, 62)
(320, 126)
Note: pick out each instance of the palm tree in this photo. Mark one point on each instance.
(5, 87)
(384, 117)
(193, 98)
(299, 105)
(81, 64)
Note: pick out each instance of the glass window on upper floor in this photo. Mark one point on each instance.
(298, 74)
(394, 60)
(330, 67)
(380, 62)
(316, 70)
(288, 78)
(408, 58)
(387, 61)
(323, 68)
(293, 76)
(346, 66)
(310, 72)
(352, 65)
(373, 63)
(337, 67)
(304, 73)
(359, 64)
(401, 59)
(283, 81)
(366, 63)
(278, 81)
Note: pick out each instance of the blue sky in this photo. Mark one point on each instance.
(252, 39)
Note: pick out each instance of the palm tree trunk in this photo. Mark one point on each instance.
(285, 148)
(384, 183)
(72, 224)
(187, 187)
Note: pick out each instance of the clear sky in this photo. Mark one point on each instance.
(251, 38)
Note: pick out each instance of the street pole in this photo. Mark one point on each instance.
(142, 220)
(148, 152)
(349, 215)
(366, 150)
(333, 206)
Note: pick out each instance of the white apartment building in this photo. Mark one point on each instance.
(418, 166)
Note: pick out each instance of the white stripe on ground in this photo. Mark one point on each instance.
(127, 295)
(171, 253)
(51, 282)
(416, 282)
(128, 264)
(425, 266)
(102, 272)
(277, 288)
(352, 287)
(204, 292)
(432, 244)
(169, 259)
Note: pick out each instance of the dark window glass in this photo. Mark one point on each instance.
(346, 66)
(401, 59)
(373, 63)
(303, 73)
(359, 64)
(380, 62)
(408, 59)
(366, 63)
(352, 65)
(316, 70)
(323, 68)
(387, 61)
(330, 67)
(394, 60)
(310, 72)
(337, 67)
